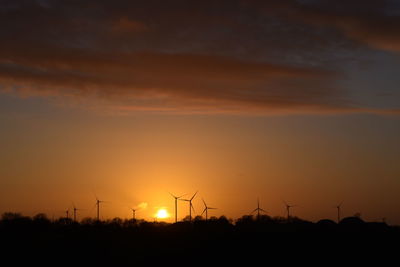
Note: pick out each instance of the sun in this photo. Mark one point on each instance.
(162, 214)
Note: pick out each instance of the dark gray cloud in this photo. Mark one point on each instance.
(211, 55)
(371, 22)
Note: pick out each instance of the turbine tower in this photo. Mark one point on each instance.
(338, 207)
(288, 209)
(67, 213)
(190, 205)
(206, 208)
(75, 211)
(258, 209)
(176, 205)
(133, 213)
(98, 207)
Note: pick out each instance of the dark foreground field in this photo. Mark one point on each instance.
(217, 241)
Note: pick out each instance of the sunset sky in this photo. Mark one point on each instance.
(295, 100)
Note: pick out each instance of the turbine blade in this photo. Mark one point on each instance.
(203, 211)
(254, 210)
(95, 196)
(172, 195)
(194, 195)
(205, 205)
(191, 206)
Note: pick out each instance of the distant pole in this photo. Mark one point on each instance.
(74, 214)
(288, 211)
(176, 210)
(67, 212)
(134, 214)
(338, 214)
(98, 210)
(190, 211)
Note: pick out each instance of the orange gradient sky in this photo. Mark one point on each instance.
(294, 100)
(50, 161)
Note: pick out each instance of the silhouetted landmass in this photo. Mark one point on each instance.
(217, 240)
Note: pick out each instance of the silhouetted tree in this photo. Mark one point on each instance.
(41, 217)
(130, 240)
(88, 221)
(198, 218)
(12, 216)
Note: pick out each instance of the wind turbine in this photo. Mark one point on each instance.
(338, 207)
(206, 208)
(176, 205)
(67, 213)
(98, 207)
(258, 209)
(190, 205)
(288, 209)
(133, 213)
(75, 210)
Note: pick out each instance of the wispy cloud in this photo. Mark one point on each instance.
(142, 205)
(372, 22)
(174, 81)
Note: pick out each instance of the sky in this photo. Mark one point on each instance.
(282, 100)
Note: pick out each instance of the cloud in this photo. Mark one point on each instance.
(373, 22)
(126, 25)
(226, 57)
(142, 205)
(172, 81)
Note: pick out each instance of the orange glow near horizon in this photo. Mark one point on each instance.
(230, 161)
(162, 214)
